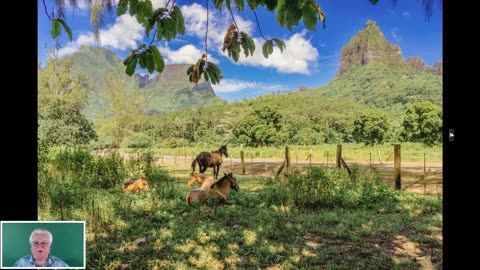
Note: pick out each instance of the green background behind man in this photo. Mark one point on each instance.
(68, 241)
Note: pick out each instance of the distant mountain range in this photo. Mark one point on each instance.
(372, 74)
(164, 92)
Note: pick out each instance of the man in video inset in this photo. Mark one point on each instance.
(40, 241)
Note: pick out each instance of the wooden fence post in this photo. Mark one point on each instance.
(266, 166)
(397, 161)
(339, 155)
(287, 158)
(379, 156)
(242, 160)
(252, 163)
(424, 175)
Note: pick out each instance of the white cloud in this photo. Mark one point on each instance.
(406, 14)
(231, 85)
(196, 21)
(67, 50)
(125, 33)
(187, 54)
(396, 35)
(299, 56)
(158, 3)
(82, 4)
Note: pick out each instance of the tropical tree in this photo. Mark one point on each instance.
(123, 102)
(61, 123)
(56, 81)
(61, 97)
(260, 127)
(167, 23)
(370, 127)
(423, 123)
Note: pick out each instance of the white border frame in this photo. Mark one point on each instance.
(42, 221)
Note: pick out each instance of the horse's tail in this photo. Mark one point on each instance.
(194, 163)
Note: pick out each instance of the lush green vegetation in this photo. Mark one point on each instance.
(61, 97)
(329, 114)
(370, 127)
(326, 115)
(317, 219)
(423, 123)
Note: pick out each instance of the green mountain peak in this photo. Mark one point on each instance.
(368, 45)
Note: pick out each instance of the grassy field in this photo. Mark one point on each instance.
(155, 229)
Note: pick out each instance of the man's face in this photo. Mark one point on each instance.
(40, 246)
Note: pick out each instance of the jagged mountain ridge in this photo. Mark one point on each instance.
(165, 92)
(373, 73)
(369, 45)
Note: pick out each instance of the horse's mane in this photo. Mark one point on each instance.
(220, 181)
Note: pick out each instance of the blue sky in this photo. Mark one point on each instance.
(310, 59)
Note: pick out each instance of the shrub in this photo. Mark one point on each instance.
(137, 140)
(74, 162)
(174, 142)
(103, 142)
(320, 186)
(108, 171)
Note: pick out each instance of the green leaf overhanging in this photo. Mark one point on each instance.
(67, 29)
(55, 32)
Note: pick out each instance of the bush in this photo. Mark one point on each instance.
(107, 172)
(142, 164)
(137, 140)
(329, 187)
(74, 162)
(103, 142)
(174, 142)
(65, 194)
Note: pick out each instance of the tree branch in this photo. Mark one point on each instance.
(153, 38)
(206, 35)
(45, 6)
(258, 24)
(234, 20)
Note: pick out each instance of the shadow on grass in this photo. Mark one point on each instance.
(251, 234)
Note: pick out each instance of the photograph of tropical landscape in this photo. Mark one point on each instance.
(257, 134)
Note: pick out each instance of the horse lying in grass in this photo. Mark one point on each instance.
(199, 178)
(221, 188)
(135, 185)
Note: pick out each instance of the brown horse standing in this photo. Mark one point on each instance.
(213, 160)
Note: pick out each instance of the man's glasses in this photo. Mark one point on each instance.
(43, 244)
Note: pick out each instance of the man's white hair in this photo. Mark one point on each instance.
(42, 231)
